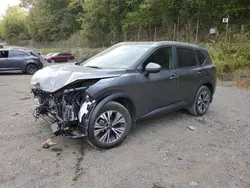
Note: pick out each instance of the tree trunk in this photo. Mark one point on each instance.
(197, 31)
(174, 32)
(178, 27)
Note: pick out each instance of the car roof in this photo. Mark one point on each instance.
(15, 49)
(162, 43)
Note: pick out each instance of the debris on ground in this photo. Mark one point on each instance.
(15, 114)
(192, 183)
(179, 158)
(191, 128)
(48, 143)
(25, 98)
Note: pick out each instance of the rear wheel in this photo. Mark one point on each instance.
(201, 102)
(31, 69)
(110, 126)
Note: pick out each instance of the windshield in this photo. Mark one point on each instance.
(117, 57)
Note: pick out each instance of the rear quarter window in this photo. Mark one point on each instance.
(201, 57)
(17, 54)
(186, 57)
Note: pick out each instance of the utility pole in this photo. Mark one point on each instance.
(155, 35)
(226, 20)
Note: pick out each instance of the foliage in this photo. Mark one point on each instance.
(53, 20)
(13, 26)
(102, 23)
(230, 57)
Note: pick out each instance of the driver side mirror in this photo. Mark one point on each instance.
(152, 68)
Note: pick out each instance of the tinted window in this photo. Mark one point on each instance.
(162, 56)
(16, 54)
(4, 54)
(201, 57)
(186, 57)
(67, 54)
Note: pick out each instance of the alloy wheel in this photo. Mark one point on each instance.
(31, 69)
(109, 126)
(203, 101)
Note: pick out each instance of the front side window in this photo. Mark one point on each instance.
(162, 56)
(186, 57)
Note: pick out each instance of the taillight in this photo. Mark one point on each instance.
(214, 67)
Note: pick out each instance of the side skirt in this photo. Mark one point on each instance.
(165, 109)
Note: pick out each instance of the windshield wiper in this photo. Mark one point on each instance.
(95, 67)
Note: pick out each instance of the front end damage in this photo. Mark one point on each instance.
(67, 110)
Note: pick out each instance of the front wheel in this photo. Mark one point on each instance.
(110, 126)
(201, 102)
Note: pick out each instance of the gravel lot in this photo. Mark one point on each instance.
(161, 152)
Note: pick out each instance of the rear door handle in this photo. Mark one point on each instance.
(172, 77)
(200, 72)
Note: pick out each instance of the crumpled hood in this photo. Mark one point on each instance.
(54, 77)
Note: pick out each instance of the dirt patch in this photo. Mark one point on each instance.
(57, 149)
(216, 154)
(25, 98)
(78, 168)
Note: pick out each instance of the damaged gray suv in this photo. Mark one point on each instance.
(102, 97)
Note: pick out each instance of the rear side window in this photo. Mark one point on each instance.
(201, 57)
(17, 54)
(67, 54)
(4, 54)
(162, 56)
(186, 57)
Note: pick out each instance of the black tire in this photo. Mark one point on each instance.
(196, 109)
(96, 116)
(31, 69)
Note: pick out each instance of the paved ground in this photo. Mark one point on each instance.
(161, 152)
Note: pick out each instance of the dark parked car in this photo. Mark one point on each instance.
(19, 60)
(60, 57)
(103, 97)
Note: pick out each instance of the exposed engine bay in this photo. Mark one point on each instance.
(66, 110)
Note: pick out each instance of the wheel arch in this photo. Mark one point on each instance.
(121, 98)
(207, 84)
(27, 64)
(210, 87)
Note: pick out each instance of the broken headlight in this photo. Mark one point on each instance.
(71, 103)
